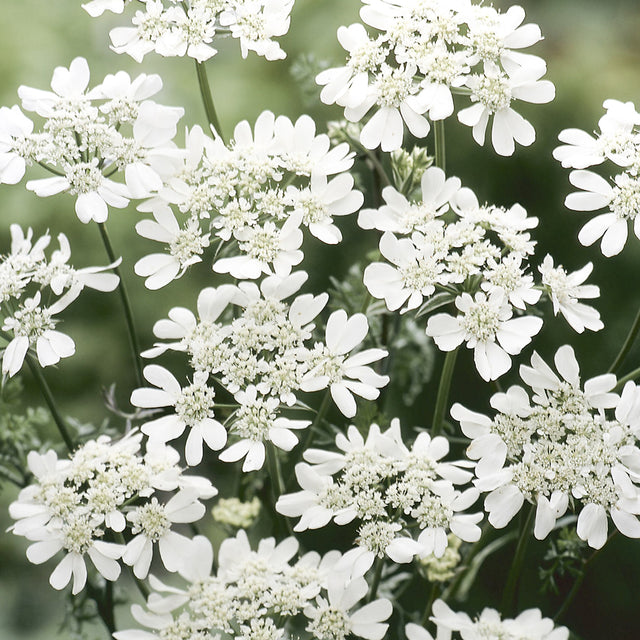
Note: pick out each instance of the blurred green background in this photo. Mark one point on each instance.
(593, 53)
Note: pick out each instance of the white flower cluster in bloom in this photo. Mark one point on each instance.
(188, 28)
(618, 142)
(236, 513)
(264, 357)
(423, 51)
(529, 625)
(254, 196)
(25, 275)
(565, 447)
(78, 505)
(476, 256)
(255, 595)
(83, 141)
(390, 489)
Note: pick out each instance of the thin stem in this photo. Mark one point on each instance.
(104, 604)
(628, 343)
(432, 596)
(630, 376)
(578, 583)
(207, 100)
(438, 131)
(277, 482)
(376, 579)
(513, 579)
(134, 344)
(51, 403)
(324, 405)
(443, 391)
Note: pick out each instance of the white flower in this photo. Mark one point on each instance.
(256, 22)
(401, 216)
(332, 618)
(33, 325)
(623, 201)
(565, 289)
(346, 376)
(493, 93)
(322, 200)
(486, 325)
(185, 247)
(256, 422)
(15, 129)
(96, 8)
(151, 523)
(413, 277)
(193, 408)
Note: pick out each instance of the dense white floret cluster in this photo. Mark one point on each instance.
(191, 28)
(253, 198)
(390, 489)
(424, 51)
(264, 357)
(528, 625)
(106, 491)
(565, 447)
(618, 142)
(476, 256)
(256, 595)
(88, 135)
(26, 274)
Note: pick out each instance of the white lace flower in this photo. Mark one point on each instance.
(15, 131)
(32, 325)
(623, 201)
(565, 290)
(193, 407)
(486, 325)
(493, 93)
(345, 375)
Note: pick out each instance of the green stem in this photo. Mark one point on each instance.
(628, 343)
(443, 392)
(134, 344)
(376, 579)
(630, 376)
(11, 478)
(432, 597)
(578, 583)
(51, 403)
(277, 482)
(207, 100)
(308, 439)
(438, 131)
(510, 593)
(104, 604)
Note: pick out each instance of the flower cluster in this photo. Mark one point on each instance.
(25, 275)
(83, 141)
(423, 53)
(107, 488)
(560, 448)
(529, 625)
(257, 594)
(618, 142)
(476, 256)
(389, 488)
(253, 196)
(264, 357)
(175, 28)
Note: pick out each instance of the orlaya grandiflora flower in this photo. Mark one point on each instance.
(151, 524)
(193, 407)
(623, 201)
(485, 323)
(185, 247)
(32, 325)
(15, 128)
(493, 93)
(256, 421)
(559, 446)
(330, 366)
